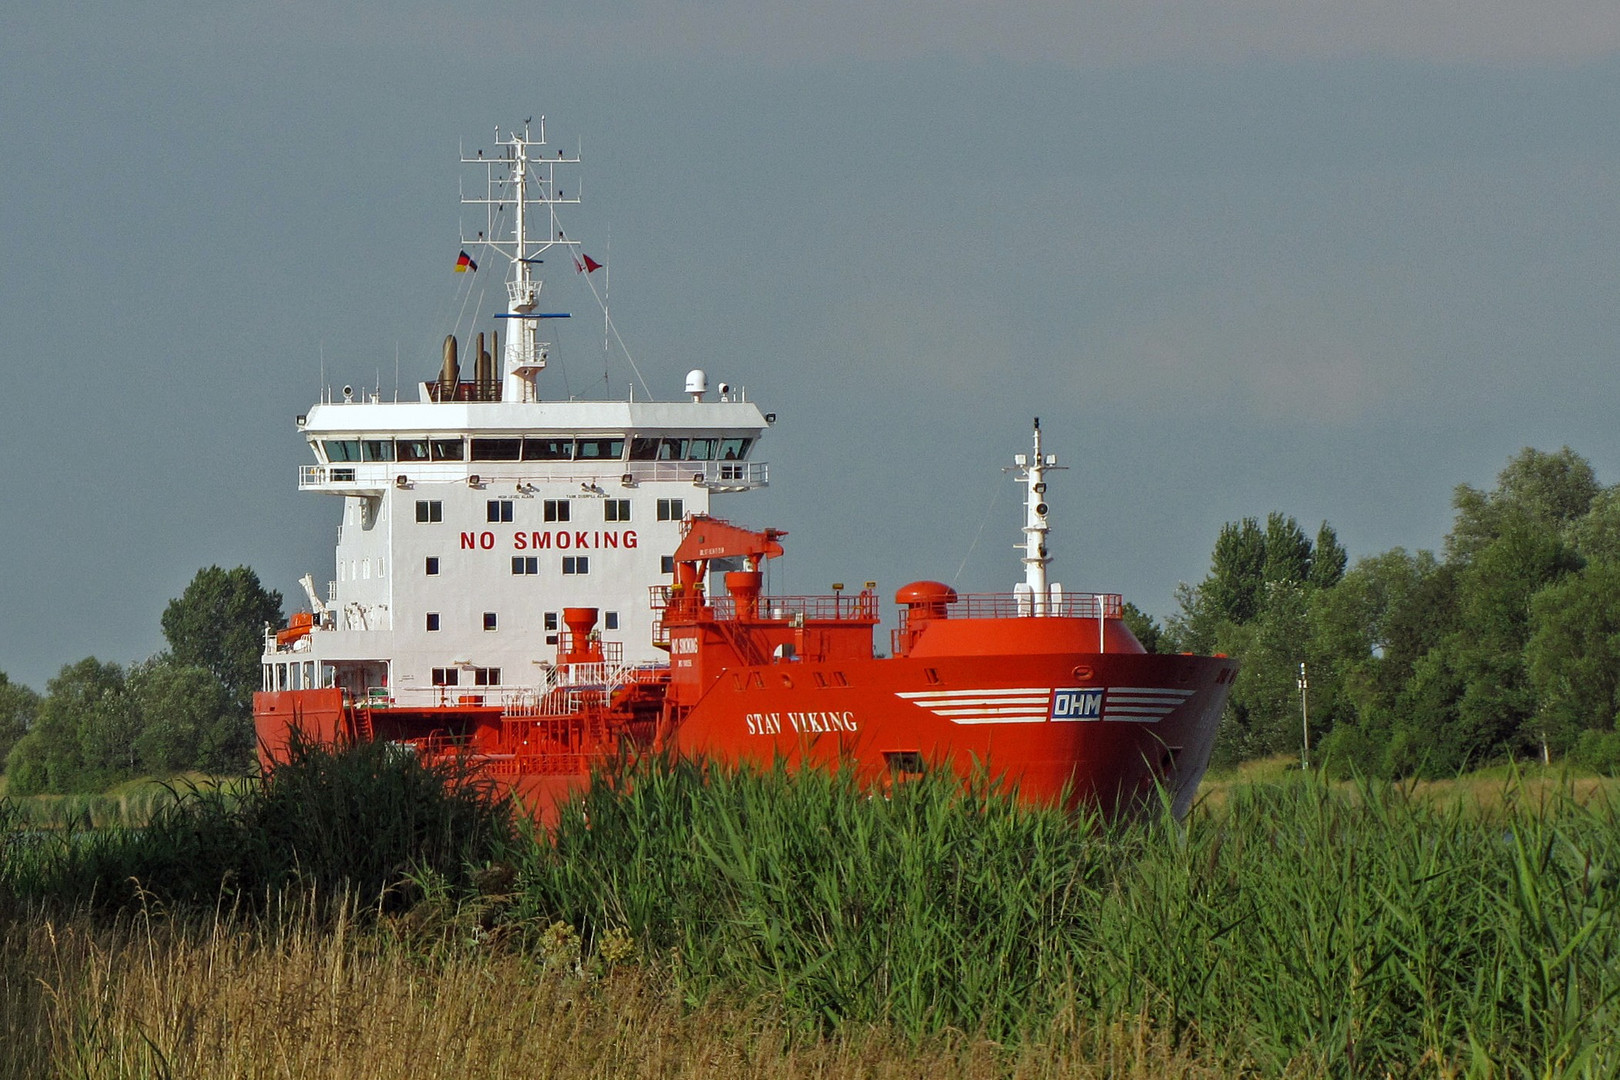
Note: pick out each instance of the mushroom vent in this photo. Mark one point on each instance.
(925, 599)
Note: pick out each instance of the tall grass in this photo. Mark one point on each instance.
(357, 821)
(1296, 928)
(1358, 930)
(275, 997)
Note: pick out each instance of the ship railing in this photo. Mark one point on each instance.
(440, 697)
(1070, 605)
(856, 606)
(375, 476)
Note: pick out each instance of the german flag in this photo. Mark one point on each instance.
(464, 263)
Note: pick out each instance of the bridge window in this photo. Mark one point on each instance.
(599, 449)
(701, 450)
(644, 449)
(556, 510)
(377, 449)
(497, 449)
(673, 450)
(498, 510)
(671, 509)
(734, 449)
(576, 564)
(616, 510)
(411, 449)
(342, 449)
(447, 449)
(537, 449)
(429, 510)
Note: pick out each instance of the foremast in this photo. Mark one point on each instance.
(1042, 596)
(522, 180)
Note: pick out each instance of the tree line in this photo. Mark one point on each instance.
(1504, 645)
(189, 707)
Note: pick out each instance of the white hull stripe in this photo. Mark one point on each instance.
(1033, 704)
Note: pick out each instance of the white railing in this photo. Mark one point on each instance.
(376, 475)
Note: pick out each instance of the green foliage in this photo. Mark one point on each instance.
(99, 724)
(1302, 930)
(357, 821)
(1573, 654)
(18, 707)
(1509, 647)
(219, 623)
(1141, 624)
(187, 722)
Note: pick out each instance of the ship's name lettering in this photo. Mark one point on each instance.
(770, 723)
(559, 539)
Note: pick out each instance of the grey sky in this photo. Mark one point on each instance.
(1328, 259)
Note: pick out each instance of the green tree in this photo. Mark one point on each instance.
(1551, 490)
(1141, 624)
(1573, 655)
(186, 721)
(83, 738)
(1328, 558)
(218, 623)
(18, 707)
(1596, 536)
(1288, 551)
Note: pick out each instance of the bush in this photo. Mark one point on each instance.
(1598, 750)
(355, 820)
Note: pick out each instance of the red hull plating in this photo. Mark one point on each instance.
(1029, 707)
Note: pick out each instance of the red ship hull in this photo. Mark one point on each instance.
(1017, 699)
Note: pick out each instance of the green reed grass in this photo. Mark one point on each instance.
(1297, 928)
(1357, 929)
(356, 821)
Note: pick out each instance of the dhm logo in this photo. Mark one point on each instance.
(1077, 704)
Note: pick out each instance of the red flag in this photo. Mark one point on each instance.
(588, 266)
(464, 263)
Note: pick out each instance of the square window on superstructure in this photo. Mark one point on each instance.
(486, 676)
(431, 566)
(489, 620)
(616, 510)
(497, 449)
(666, 564)
(610, 621)
(429, 510)
(556, 510)
(551, 620)
(498, 510)
(432, 620)
(671, 509)
(536, 448)
(576, 564)
(446, 676)
(604, 449)
(525, 564)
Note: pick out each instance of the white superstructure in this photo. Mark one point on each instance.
(473, 516)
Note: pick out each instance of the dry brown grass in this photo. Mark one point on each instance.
(154, 998)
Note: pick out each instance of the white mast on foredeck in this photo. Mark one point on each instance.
(1032, 470)
(522, 177)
